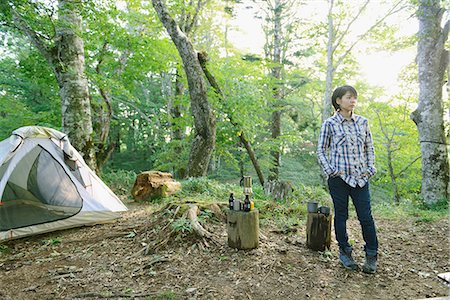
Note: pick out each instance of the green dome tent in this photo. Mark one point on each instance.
(45, 185)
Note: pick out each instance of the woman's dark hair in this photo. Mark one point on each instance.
(340, 92)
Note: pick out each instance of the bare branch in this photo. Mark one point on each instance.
(191, 23)
(338, 42)
(409, 165)
(392, 11)
(140, 112)
(35, 39)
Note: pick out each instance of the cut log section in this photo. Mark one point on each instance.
(243, 229)
(318, 231)
(154, 184)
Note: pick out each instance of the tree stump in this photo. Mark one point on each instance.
(278, 190)
(154, 184)
(318, 231)
(243, 229)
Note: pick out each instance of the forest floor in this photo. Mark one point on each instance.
(107, 262)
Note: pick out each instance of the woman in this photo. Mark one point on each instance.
(346, 155)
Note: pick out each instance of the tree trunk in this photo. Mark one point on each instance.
(432, 62)
(70, 72)
(66, 58)
(391, 171)
(204, 119)
(327, 107)
(252, 156)
(277, 93)
(102, 122)
(177, 110)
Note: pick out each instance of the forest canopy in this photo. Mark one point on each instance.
(163, 85)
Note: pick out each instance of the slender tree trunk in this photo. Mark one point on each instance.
(104, 114)
(277, 93)
(327, 107)
(391, 172)
(177, 110)
(204, 119)
(432, 62)
(178, 130)
(335, 41)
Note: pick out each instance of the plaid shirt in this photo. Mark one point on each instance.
(346, 149)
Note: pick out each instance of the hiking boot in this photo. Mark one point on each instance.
(346, 259)
(370, 265)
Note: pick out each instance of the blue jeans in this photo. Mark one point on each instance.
(340, 191)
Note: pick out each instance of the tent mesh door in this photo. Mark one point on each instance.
(46, 193)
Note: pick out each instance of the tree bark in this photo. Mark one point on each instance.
(177, 111)
(243, 229)
(277, 93)
(204, 119)
(66, 58)
(432, 60)
(327, 110)
(318, 231)
(70, 69)
(102, 123)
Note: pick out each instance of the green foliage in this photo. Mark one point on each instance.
(412, 209)
(130, 57)
(182, 225)
(395, 138)
(28, 92)
(207, 188)
(51, 242)
(293, 210)
(120, 181)
(165, 295)
(4, 249)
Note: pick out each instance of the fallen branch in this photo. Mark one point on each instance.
(154, 261)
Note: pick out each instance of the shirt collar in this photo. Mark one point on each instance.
(341, 119)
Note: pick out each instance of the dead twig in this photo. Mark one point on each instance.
(268, 272)
(154, 261)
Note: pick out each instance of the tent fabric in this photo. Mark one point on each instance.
(45, 185)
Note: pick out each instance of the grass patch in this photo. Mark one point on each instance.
(166, 295)
(4, 249)
(207, 189)
(408, 209)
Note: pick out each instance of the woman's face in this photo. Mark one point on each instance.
(347, 102)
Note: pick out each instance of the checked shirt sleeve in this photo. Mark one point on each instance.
(370, 152)
(323, 147)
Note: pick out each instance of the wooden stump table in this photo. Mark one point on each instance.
(318, 231)
(243, 229)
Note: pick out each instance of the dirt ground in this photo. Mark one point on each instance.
(107, 262)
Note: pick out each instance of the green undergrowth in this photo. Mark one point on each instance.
(416, 211)
(120, 182)
(280, 213)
